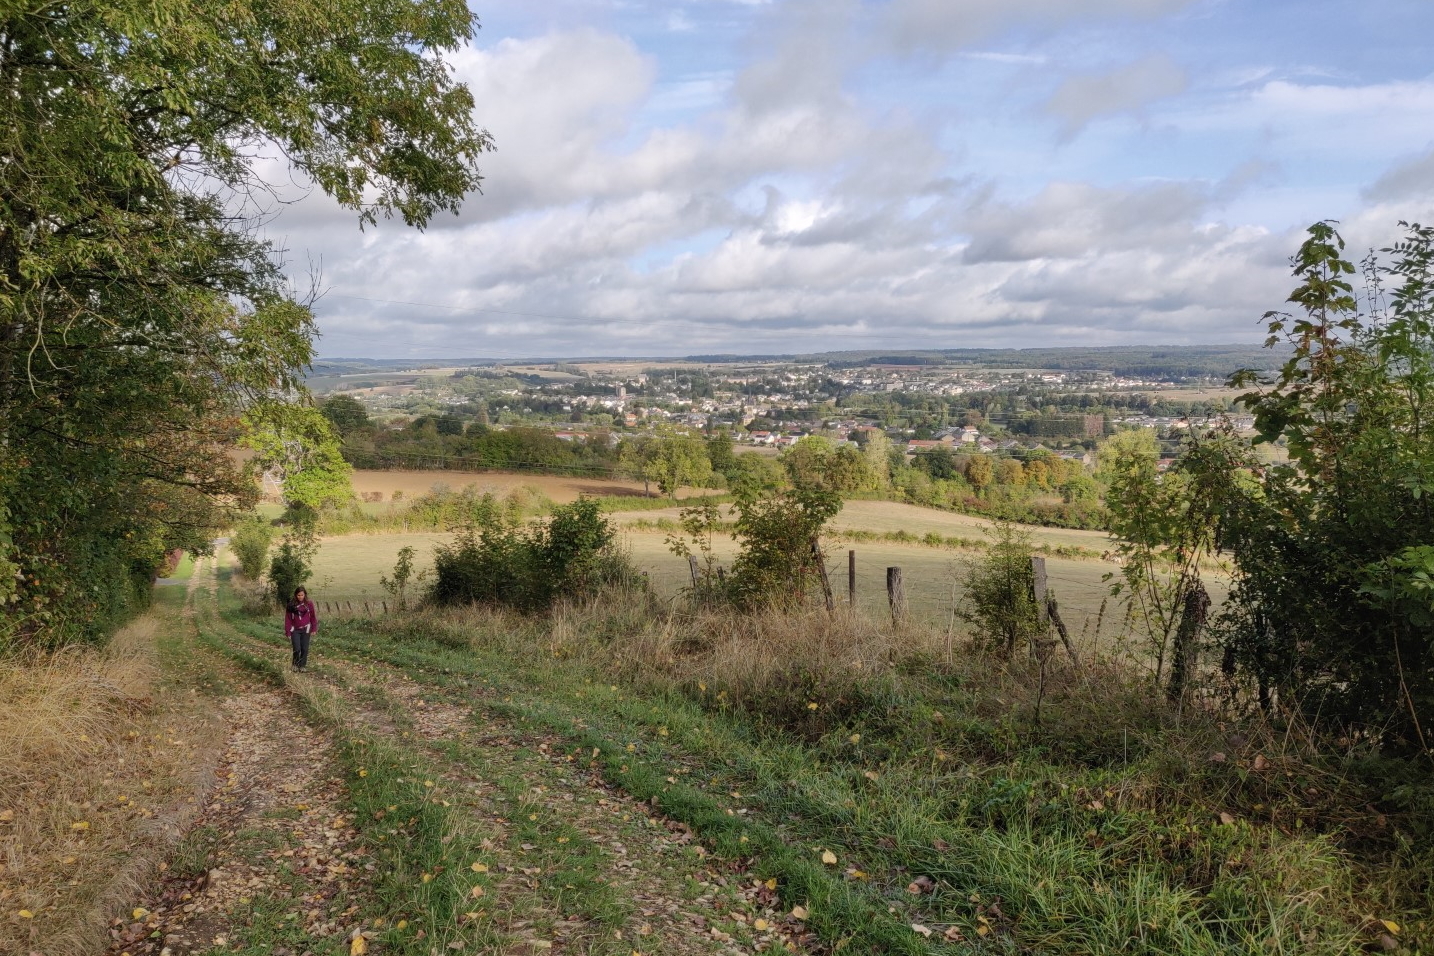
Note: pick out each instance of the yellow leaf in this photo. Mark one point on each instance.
(799, 912)
(139, 912)
(760, 924)
(26, 914)
(532, 816)
(477, 891)
(812, 705)
(869, 774)
(358, 947)
(479, 868)
(855, 738)
(983, 930)
(428, 877)
(401, 924)
(7, 816)
(363, 772)
(80, 825)
(1390, 925)
(562, 839)
(829, 858)
(771, 884)
(662, 731)
(428, 783)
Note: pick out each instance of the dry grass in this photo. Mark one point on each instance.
(96, 780)
(558, 488)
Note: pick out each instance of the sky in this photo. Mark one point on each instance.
(769, 176)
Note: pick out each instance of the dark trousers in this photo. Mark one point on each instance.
(299, 640)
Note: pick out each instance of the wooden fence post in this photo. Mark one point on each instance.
(821, 563)
(367, 611)
(692, 566)
(895, 595)
(851, 577)
(1038, 579)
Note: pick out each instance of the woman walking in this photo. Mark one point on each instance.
(301, 620)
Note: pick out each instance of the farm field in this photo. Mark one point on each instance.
(560, 489)
(348, 569)
(890, 516)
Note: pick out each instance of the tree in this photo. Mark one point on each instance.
(140, 320)
(1000, 601)
(1331, 607)
(297, 447)
(779, 537)
(980, 472)
(345, 413)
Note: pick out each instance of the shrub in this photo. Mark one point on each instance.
(288, 570)
(250, 544)
(1000, 591)
(495, 560)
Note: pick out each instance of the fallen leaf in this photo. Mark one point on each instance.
(1226, 818)
(829, 858)
(923, 930)
(812, 706)
(80, 825)
(26, 914)
(1390, 925)
(479, 868)
(855, 738)
(7, 816)
(1261, 764)
(870, 774)
(139, 912)
(477, 891)
(799, 912)
(401, 924)
(760, 924)
(358, 946)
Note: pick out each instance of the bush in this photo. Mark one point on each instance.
(289, 570)
(1000, 591)
(250, 544)
(495, 560)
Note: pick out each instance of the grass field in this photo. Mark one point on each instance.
(889, 516)
(558, 488)
(348, 569)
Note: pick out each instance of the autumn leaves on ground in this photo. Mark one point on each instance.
(213, 801)
(598, 781)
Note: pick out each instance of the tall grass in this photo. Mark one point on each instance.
(1095, 817)
(95, 779)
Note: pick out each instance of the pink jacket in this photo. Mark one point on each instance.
(301, 615)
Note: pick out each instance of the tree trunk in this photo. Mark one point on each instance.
(1186, 653)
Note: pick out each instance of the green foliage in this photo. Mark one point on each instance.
(250, 544)
(397, 586)
(345, 413)
(670, 461)
(288, 570)
(1000, 601)
(496, 560)
(779, 538)
(814, 462)
(139, 321)
(297, 446)
(1330, 611)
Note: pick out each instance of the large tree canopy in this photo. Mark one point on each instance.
(139, 318)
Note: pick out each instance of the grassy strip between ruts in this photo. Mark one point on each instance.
(844, 911)
(1080, 867)
(426, 853)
